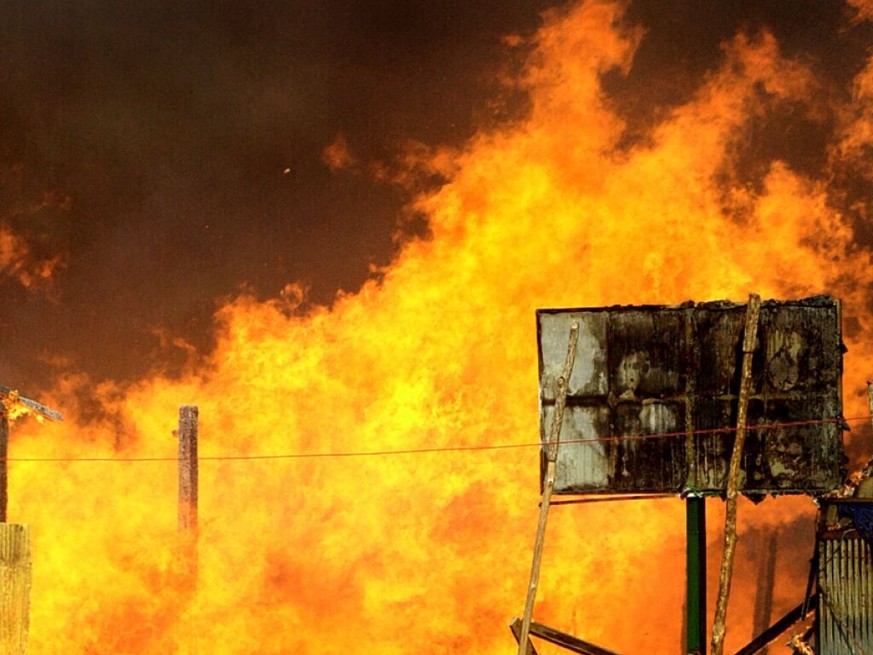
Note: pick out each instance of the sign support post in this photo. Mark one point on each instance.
(695, 553)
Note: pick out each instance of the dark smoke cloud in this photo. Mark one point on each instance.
(190, 145)
(189, 138)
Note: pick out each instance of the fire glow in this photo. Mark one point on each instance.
(430, 552)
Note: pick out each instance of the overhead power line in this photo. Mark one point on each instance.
(439, 449)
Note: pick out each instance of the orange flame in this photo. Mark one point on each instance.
(431, 552)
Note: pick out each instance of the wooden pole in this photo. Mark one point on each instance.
(188, 418)
(730, 521)
(548, 486)
(188, 424)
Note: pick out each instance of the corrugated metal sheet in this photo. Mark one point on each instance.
(845, 596)
(645, 371)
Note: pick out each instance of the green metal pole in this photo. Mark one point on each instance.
(695, 558)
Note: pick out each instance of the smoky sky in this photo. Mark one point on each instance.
(170, 154)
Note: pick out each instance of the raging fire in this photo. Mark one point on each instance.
(429, 552)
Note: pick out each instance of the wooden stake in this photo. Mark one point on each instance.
(15, 581)
(730, 521)
(548, 486)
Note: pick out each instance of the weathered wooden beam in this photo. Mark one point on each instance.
(551, 449)
(560, 639)
(750, 336)
(9, 395)
(15, 582)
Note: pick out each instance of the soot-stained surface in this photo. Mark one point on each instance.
(675, 371)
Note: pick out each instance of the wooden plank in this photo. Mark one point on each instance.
(15, 582)
(562, 639)
(730, 521)
(770, 634)
(11, 396)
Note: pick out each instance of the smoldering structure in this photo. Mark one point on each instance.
(652, 398)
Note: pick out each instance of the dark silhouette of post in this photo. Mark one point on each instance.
(4, 452)
(188, 419)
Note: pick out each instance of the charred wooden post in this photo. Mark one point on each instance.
(188, 427)
(15, 581)
(4, 453)
(551, 448)
(750, 338)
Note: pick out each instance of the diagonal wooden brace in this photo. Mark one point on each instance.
(551, 448)
(730, 521)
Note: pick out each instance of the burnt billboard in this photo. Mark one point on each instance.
(652, 398)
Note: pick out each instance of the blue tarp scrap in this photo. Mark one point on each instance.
(861, 515)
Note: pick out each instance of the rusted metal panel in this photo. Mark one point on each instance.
(674, 371)
(845, 603)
